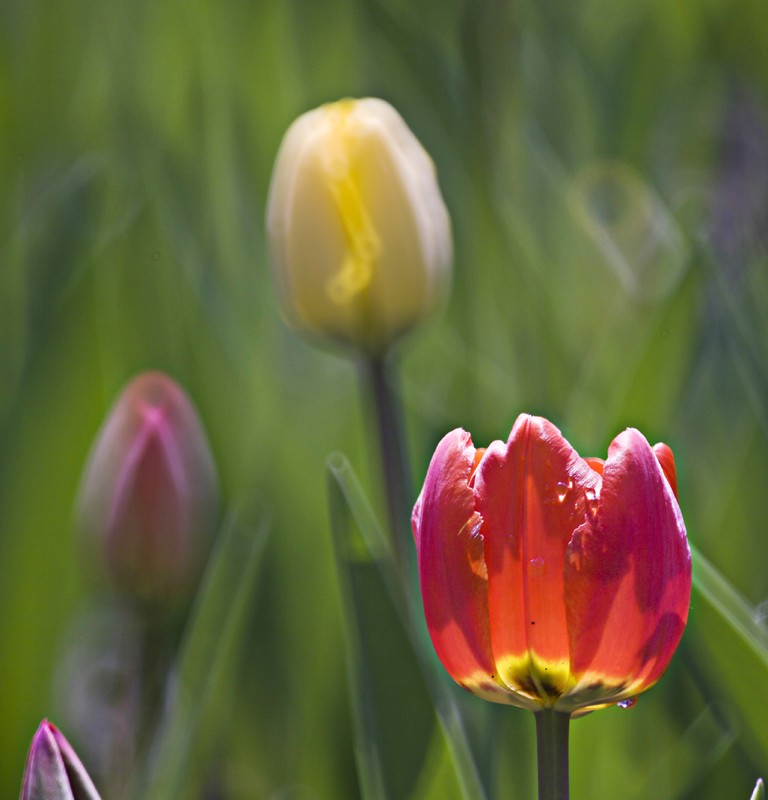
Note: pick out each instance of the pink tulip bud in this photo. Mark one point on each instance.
(54, 771)
(148, 502)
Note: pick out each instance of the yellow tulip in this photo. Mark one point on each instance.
(359, 235)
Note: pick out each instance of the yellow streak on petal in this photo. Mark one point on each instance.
(594, 690)
(550, 684)
(363, 243)
(488, 687)
(541, 679)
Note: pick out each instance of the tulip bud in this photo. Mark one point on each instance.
(54, 771)
(148, 502)
(360, 237)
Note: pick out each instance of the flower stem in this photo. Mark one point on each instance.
(552, 752)
(393, 452)
(155, 661)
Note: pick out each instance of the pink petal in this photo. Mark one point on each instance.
(628, 571)
(451, 565)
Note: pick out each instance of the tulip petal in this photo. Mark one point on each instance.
(531, 493)
(667, 461)
(149, 504)
(54, 772)
(452, 567)
(628, 575)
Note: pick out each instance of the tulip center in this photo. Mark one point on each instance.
(363, 243)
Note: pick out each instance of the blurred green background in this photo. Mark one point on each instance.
(606, 168)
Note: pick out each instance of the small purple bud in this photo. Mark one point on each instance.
(148, 503)
(54, 771)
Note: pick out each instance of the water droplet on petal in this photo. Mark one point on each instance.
(592, 502)
(537, 567)
(628, 703)
(562, 489)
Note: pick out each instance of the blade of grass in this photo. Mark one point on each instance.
(731, 652)
(380, 668)
(214, 631)
(368, 577)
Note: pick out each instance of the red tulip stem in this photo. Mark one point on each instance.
(552, 752)
(394, 461)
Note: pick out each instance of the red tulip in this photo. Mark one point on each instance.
(550, 580)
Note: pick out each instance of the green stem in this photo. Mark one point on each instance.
(155, 663)
(379, 375)
(393, 453)
(552, 752)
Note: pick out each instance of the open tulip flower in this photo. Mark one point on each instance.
(552, 581)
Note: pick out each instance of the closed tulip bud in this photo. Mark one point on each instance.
(359, 234)
(54, 771)
(148, 502)
(552, 581)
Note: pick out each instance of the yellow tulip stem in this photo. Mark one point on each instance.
(552, 753)
(393, 455)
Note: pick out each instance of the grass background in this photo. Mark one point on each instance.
(606, 168)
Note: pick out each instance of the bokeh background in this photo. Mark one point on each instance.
(606, 168)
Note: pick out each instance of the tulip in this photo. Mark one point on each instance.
(359, 235)
(148, 501)
(54, 771)
(551, 581)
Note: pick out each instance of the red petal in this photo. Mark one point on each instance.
(628, 571)
(451, 565)
(597, 464)
(667, 461)
(531, 495)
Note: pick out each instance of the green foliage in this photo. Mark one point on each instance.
(195, 722)
(394, 759)
(730, 651)
(606, 174)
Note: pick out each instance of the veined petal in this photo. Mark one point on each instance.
(628, 575)
(452, 567)
(532, 492)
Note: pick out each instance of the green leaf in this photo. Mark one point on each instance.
(759, 792)
(437, 780)
(396, 692)
(215, 629)
(731, 653)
